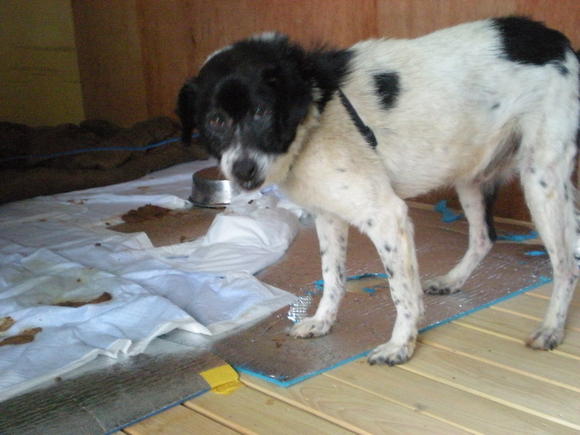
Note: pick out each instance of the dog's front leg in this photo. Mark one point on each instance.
(332, 236)
(392, 234)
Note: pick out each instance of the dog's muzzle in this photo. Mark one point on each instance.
(246, 173)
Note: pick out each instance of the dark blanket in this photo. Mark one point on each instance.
(59, 159)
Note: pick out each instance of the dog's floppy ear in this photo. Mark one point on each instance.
(186, 110)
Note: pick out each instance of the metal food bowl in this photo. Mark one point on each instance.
(211, 189)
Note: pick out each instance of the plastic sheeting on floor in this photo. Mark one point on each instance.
(57, 249)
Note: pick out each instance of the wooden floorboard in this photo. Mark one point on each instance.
(535, 308)
(178, 421)
(500, 385)
(252, 411)
(441, 400)
(355, 408)
(503, 353)
(545, 292)
(518, 328)
(473, 375)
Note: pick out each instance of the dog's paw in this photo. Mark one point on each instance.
(545, 338)
(440, 286)
(310, 327)
(392, 353)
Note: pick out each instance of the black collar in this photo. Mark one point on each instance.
(363, 129)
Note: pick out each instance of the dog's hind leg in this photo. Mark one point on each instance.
(476, 201)
(391, 231)
(332, 237)
(553, 215)
(550, 195)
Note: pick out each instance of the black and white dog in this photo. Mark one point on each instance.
(349, 134)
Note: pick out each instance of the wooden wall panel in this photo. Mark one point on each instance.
(168, 50)
(39, 73)
(135, 54)
(110, 61)
(336, 22)
(412, 18)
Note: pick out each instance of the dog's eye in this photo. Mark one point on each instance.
(217, 121)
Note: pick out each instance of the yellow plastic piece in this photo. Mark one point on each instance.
(223, 379)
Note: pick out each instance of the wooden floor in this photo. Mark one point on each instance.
(470, 376)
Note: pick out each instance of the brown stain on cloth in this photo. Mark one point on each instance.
(167, 227)
(104, 297)
(24, 337)
(27, 335)
(145, 213)
(6, 323)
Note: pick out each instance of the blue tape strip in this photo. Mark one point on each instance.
(535, 253)
(518, 237)
(319, 284)
(540, 282)
(283, 383)
(286, 384)
(448, 215)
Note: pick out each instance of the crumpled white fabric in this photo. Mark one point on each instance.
(58, 248)
(257, 226)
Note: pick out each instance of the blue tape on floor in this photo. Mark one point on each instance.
(448, 215)
(540, 282)
(512, 237)
(320, 283)
(535, 253)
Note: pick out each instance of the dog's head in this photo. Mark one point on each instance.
(247, 103)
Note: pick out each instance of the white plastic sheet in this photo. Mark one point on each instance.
(58, 248)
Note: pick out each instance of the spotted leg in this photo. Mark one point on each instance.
(549, 194)
(391, 231)
(332, 236)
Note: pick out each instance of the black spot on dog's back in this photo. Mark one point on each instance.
(530, 42)
(387, 88)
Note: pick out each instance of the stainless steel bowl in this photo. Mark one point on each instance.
(211, 189)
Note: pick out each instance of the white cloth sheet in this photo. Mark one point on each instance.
(58, 248)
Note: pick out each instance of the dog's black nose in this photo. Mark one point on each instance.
(245, 170)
